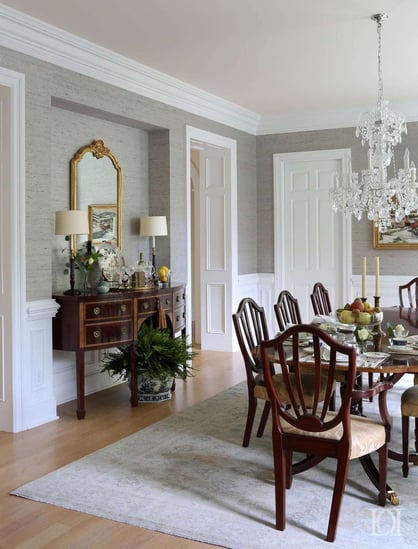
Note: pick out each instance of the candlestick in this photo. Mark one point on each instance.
(363, 277)
(377, 286)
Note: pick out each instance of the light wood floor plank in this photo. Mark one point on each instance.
(26, 524)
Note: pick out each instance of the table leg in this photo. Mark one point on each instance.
(79, 367)
(373, 474)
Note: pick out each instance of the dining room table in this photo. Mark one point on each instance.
(390, 363)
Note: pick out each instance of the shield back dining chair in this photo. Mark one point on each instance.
(409, 408)
(251, 329)
(320, 300)
(310, 428)
(287, 310)
(408, 293)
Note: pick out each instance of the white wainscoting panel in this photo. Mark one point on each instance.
(38, 402)
(65, 387)
(259, 286)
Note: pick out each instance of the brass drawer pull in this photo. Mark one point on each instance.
(124, 331)
(167, 301)
(96, 310)
(97, 334)
(123, 308)
(146, 306)
(177, 298)
(177, 318)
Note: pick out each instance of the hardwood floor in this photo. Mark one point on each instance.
(25, 456)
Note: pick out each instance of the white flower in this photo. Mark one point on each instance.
(399, 329)
(363, 334)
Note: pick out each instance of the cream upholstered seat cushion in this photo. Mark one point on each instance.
(409, 402)
(367, 435)
(260, 391)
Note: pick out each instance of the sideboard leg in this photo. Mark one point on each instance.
(81, 411)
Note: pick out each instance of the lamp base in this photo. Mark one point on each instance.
(72, 291)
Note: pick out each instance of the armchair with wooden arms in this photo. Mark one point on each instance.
(310, 427)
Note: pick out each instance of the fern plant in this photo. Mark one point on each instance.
(157, 352)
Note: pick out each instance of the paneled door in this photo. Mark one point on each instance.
(217, 267)
(312, 242)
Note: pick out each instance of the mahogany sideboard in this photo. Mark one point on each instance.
(98, 321)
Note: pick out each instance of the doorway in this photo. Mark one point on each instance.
(212, 238)
(312, 242)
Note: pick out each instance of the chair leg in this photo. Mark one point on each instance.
(264, 418)
(416, 434)
(405, 445)
(252, 406)
(341, 474)
(370, 384)
(280, 485)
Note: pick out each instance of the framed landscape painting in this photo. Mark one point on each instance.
(103, 224)
(402, 235)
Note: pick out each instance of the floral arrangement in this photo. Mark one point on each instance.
(362, 334)
(85, 258)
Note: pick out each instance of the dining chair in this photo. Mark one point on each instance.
(251, 328)
(311, 428)
(409, 408)
(410, 291)
(320, 300)
(287, 310)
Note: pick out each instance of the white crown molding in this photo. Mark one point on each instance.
(33, 37)
(326, 120)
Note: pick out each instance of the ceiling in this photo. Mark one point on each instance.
(269, 56)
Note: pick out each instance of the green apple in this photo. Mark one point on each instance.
(364, 318)
(347, 317)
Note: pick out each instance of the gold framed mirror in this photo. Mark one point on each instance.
(96, 187)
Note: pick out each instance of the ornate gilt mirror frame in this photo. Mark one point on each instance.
(98, 188)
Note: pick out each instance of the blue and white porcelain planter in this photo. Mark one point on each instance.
(151, 389)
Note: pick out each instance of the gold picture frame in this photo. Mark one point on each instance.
(103, 223)
(401, 236)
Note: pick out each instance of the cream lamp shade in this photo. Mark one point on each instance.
(71, 222)
(153, 225)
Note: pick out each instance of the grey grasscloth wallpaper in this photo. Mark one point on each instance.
(392, 262)
(97, 108)
(66, 110)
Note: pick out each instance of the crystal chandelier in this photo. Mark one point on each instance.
(383, 198)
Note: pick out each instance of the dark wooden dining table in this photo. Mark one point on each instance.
(392, 369)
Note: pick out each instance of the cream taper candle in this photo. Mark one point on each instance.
(377, 286)
(363, 277)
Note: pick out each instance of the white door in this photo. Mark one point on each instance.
(216, 244)
(312, 242)
(215, 249)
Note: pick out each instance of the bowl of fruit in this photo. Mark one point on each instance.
(359, 312)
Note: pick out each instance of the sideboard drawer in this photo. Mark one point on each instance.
(179, 320)
(107, 332)
(179, 298)
(101, 310)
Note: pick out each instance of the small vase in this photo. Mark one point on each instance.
(86, 283)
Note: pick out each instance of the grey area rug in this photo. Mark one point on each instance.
(189, 476)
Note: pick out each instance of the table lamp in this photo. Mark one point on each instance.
(153, 225)
(70, 223)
